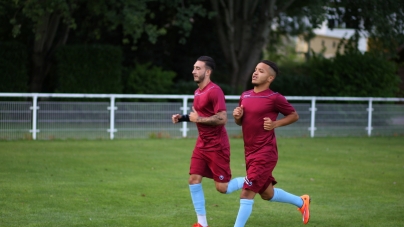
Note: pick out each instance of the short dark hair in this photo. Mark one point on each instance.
(208, 61)
(272, 65)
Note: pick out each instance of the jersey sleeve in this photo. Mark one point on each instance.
(283, 106)
(218, 101)
(241, 99)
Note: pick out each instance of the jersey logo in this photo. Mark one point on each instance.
(221, 177)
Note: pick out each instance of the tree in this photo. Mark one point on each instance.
(52, 21)
(244, 28)
(382, 21)
(354, 74)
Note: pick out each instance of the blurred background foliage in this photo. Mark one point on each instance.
(150, 46)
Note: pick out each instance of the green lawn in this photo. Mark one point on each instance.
(352, 182)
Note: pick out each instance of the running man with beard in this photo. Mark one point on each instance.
(211, 154)
(257, 114)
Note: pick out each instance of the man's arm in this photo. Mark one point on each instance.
(238, 121)
(289, 119)
(238, 114)
(218, 119)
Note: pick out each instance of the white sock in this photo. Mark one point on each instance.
(202, 220)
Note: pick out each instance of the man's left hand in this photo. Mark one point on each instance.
(269, 124)
(193, 116)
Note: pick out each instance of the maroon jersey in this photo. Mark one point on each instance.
(208, 102)
(211, 155)
(258, 106)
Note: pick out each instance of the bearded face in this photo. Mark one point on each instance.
(199, 72)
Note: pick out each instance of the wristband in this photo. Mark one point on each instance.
(184, 118)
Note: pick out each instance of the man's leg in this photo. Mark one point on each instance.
(246, 205)
(235, 184)
(278, 195)
(286, 197)
(198, 198)
(231, 186)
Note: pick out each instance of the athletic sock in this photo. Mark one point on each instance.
(202, 220)
(285, 197)
(198, 199)
(235, 184)
(244, 212)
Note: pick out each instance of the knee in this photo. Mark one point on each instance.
(247, 194)
(194, 179)
(266, 197)
(221, 188)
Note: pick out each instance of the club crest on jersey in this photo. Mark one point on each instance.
(221, 177)
(248, 182)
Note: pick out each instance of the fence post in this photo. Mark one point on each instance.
(370, 110)
(112, 109)
(34, 109)
(313, 110)
(184, 111)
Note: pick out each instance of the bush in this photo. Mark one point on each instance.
(189, 87)
(293, 80)
(354, 74)
(13, 67)
(148, 79)
(89, 69)
(184, 87)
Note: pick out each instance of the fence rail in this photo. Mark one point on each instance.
(103, 116)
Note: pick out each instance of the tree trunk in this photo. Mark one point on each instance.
(243, 28)
(46, 41)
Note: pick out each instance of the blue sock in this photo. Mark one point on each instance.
(198, 198)
(285, 197)
(244, 212)
(235, 184)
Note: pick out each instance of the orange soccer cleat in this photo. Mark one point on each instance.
(305, 209)
(198, 225)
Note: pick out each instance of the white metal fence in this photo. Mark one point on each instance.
(108, 116)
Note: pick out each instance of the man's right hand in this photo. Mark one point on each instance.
(175, 118)
(238, 112)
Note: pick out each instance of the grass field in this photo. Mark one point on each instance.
(352, 182)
